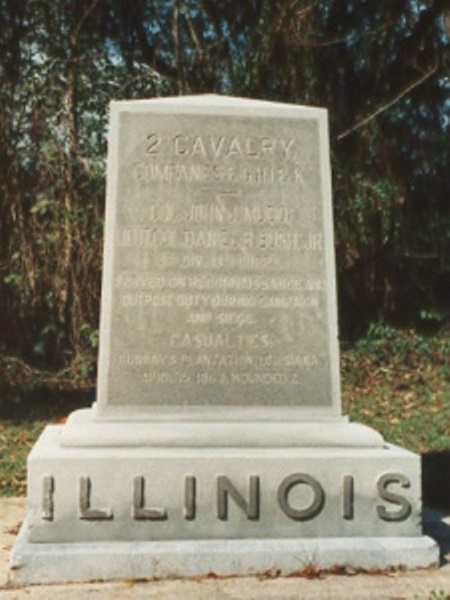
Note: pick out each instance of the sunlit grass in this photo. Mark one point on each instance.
(399, 383)
(395, 381)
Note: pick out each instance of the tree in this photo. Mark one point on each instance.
(381, 68)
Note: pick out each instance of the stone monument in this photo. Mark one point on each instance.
(217, 443)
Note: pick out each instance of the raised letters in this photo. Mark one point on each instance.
(220, 246)
(226, 488)
(220, 147)
(405, 508)
(48, 490)
(316, 505)
(87, 513)
(348, 496)
(190, 497)
(140, 512)
(248, 502)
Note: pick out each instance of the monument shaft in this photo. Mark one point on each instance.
(219, 274)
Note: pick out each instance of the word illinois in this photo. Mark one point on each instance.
(392, 507)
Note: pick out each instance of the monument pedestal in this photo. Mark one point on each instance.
(143, 512)
(53, 563)
(237, 427)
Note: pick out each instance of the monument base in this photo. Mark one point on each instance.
(58, 563)
(159, 511)
(200, 427)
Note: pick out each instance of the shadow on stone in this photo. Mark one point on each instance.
(436, 527)
(436, 480)
(436, 499)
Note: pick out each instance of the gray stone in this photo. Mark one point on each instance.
(219, 303)
(142, 494)
(50, 563)
(219, 284)
(214, 428)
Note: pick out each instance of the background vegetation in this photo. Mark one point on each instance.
(395, 381)
(380, 67)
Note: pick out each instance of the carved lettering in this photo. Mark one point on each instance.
(246, 175)
(201, 341)
(86, 513)
(153, 142)
(405, 508)
(219, 282)
(147, 359)
(218, 249)
(140, 511)
(348, 495)
(226, 488)
(48, 490)
(147, 237)
(167, 377)
(300, 496)
(222, 147)
(270, 378)
(190, 497)
(304, 514)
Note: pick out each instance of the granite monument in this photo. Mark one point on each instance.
(217, 441)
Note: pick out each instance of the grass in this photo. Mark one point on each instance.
(395, 381)
(399, 383)
(16, 441)
(23, 416)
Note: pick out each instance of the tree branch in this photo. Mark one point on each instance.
(177, 47)
(83, 19)
(389, 105)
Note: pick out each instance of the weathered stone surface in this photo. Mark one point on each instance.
(44, 563)
(125, 494)
(216, 429)
(219, 284)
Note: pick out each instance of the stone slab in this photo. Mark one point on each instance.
(218, 281)
(46, 563)
(146, 493)
(85, 429)
(410, 584)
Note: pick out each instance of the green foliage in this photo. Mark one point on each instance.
(90, 335)
(382, 73)
(439, 595)
(398, 381)
(368, 240)
(16, 441)
(84, 366)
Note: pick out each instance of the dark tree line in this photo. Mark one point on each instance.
(380, 67)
